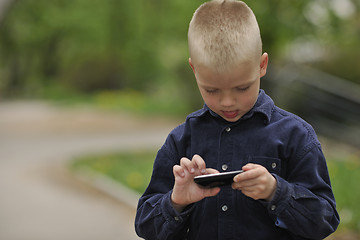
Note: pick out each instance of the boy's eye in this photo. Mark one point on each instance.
(211, 91)
(242, 89)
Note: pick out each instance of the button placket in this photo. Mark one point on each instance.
(224, 167)
(273, 165)
(224, 208)
(273, 207)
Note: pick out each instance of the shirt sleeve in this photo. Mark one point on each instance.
(304, 203)
(161, 221)
(156, 218)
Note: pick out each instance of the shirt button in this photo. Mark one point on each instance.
(273, 207)
(224, 167)
(228, 129)
(273, 165)
(224, 208)
(176, 218)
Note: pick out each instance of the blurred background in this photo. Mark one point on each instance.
(135, 53)
(129, 58)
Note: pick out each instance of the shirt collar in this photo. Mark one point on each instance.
(264, 105)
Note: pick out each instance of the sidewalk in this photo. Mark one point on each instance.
(40, 199)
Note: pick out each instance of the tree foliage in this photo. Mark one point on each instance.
(88, 46)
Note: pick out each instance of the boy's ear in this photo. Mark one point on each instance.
(264, 60)
(191, 65)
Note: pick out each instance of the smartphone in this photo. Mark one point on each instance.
(216, 179)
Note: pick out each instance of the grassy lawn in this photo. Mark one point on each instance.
(134, 170)
(345, 179)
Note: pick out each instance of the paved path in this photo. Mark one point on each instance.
(39, 198)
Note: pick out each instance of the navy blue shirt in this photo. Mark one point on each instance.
(303, 206)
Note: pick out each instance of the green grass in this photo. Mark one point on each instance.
(345, 180)
(130, 168)
(134, 170)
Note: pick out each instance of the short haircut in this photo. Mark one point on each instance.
(223, 33)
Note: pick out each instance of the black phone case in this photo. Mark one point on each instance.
(216, 179)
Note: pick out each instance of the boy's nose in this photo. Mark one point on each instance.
(227, 100)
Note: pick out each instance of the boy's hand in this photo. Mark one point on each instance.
(255, 182)
(185, 190)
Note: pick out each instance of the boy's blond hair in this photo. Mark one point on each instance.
(223, 33)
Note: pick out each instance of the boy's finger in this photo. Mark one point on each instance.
(200, 163)
(187, 164)
(244, 176)
(249, 166)
(178, 171)
(211, 170)
(251, 171)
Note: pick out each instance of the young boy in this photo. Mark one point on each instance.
(284, 191)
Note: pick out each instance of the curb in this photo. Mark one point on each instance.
(108, 186)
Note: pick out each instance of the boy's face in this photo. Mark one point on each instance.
(233, 93)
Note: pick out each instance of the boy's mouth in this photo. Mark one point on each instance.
(230, 114)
